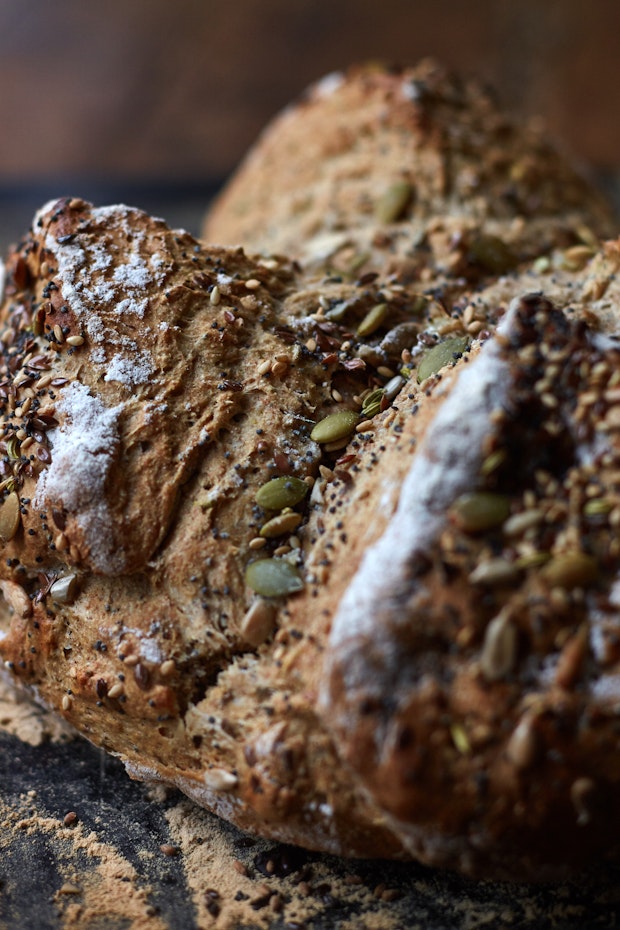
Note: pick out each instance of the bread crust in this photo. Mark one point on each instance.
(414, 685)
(369, 159)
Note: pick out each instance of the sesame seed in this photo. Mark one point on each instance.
(116, 690)
(214, 297)
(252, 284)
(264, 367)
(75, 341)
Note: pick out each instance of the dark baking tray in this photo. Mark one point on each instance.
(54, 779)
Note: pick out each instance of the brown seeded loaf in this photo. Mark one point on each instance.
(374, 164)
(417, 657)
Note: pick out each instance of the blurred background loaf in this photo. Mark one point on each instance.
(156, 102)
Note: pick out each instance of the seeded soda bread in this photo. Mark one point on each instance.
(372, 165)
(330, 548)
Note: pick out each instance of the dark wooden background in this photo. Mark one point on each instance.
(160, 98)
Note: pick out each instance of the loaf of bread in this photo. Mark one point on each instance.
(333, 552)
(373, 164)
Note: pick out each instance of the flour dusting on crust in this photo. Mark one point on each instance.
(83, 452)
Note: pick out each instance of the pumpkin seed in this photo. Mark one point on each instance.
(440, 355)
(571, 570)
(10, 517)
(392, 204)
(335, 426)
(273, 578)
(338, 312)
(478, 511)
(283, 523)
(373, 320)
(281, 492)
(420, 305)
(491, 254)
(371, 405)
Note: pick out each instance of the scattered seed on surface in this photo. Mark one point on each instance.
(393, 202)
(10, 517)
(478, 511)
(273, 578)
(440, 355)
(285, 491)
(335, 426)
(282, 524)
(258, 622)
(373, 320)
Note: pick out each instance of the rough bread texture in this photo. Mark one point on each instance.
(371, 159)
(333, 553)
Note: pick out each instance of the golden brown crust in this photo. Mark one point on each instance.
(141, 631)
(369, 159)
(355, 668)
(474, 648)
